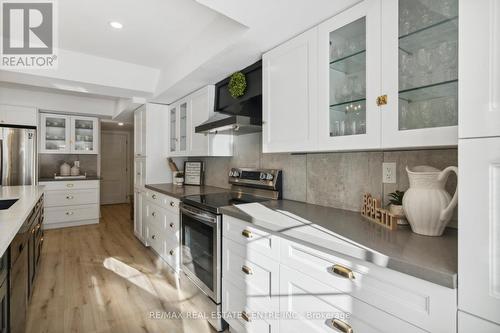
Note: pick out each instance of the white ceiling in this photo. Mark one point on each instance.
(153, 30)
(167, 48)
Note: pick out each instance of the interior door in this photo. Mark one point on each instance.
(349, 79)
(420, 73)
(114, 168)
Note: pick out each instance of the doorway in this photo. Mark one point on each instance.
(115, 167)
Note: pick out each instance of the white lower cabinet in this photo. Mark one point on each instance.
(471, 324)
(160, 226)
(278, 284)
(71, 203)
(138, 199)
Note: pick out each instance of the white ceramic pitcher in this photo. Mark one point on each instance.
(427, 205)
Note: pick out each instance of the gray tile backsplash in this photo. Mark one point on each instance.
(50, 163)
(328, 179)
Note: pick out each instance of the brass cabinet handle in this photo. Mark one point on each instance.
(343, 271)
(69, 197)
(339, 325)
(381, 100)
(245, 316)
(70, 185)
(171, 224)
(171, 252)
(247, 233)
(153, 196)
(247, 270)
(69, 213)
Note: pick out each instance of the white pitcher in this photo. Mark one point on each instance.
(427, 205)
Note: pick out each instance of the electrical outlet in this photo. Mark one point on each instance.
(389, 173)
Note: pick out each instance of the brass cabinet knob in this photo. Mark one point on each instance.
(339, 325)
(245, 316)
(247, 233)
(381, 100)
(343, 271)
(247, 270)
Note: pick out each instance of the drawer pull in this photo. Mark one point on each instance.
(245, 316)
(70, 185)
(247, 270)
(153, 196)
(69, 213)
(172, 203)
(171, 252)
(69, 197)
(153, 214)
(246, 233)
(153, 236)
(343, 271)
(339, 325)
(172, 224)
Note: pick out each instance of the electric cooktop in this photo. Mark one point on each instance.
(213, 201)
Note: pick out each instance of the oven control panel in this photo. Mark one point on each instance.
(264, 178)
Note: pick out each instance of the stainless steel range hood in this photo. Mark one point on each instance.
(237, 115)
(225, 123)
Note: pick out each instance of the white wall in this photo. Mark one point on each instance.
(52, 101)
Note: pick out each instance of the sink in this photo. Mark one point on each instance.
(5, 204)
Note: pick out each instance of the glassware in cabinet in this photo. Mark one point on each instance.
(173, 129)
(84, 138)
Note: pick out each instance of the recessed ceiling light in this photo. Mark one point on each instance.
(120, 124)
(116, 25)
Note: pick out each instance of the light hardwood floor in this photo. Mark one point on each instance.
(100, 278)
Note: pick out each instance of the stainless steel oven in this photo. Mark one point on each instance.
(201, 249)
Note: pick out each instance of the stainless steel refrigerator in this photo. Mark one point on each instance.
(17, 156)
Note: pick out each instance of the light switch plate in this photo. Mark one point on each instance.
(389, 173)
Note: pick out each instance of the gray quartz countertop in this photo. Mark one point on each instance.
(429, 258)
(12, 219)
(185, 190)
(68, 179)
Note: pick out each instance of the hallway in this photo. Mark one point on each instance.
(100, 278)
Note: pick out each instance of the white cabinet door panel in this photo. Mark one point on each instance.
(479, 225)
(289, 95)
(471, 324)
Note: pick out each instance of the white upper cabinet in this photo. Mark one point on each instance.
(349, 72)
(479, 85)
(184, 116)
(419, 73)
(18, 115)
(68, 134)
(386, 78)
(289, 95)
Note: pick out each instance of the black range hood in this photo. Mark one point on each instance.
(238, 115)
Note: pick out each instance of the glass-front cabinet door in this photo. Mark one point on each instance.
(349, 76)
(85, 133)
(421, 37)
(173, 129)
(55, 133)
(183, 112)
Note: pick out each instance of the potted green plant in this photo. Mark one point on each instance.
(396, 206)
(178, 178)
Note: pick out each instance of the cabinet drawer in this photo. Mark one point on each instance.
(156, 239)
(71, 197)
(316, 304)
(172, 253)
(251, 238)
(236, 312)
(468, 323)
(71, 213)
(173, 224)
(419, 302)
(255, 276)
(156, 215)
(168, 202)
(73, 185)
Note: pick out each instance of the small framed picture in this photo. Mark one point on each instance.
(193, 173)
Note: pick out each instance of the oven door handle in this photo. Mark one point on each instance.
(202, 217)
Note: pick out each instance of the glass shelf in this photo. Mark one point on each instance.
(341, 107)
(431, 91)
(352, 63)
(430, 36)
